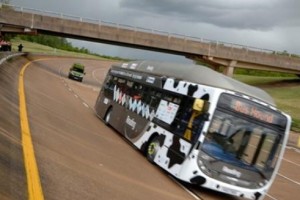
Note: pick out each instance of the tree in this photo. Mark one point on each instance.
(54, 41)
(4, 1)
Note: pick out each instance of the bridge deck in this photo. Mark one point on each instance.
(212, 53)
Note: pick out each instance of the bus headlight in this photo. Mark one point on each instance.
(203, 159)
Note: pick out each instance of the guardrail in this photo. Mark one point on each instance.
(142, 29)
(8, 56)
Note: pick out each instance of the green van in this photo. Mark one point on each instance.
(76, 72)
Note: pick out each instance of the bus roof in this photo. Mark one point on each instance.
(197, 74)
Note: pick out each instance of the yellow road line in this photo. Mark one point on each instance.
(35, 191)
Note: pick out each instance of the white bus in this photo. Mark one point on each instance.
(200, 126)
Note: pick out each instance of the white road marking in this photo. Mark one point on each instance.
(289, 179)
(293, 148)
(85, 105)
(271, 197)
(94, 74)
(187, 190)
(291, 162)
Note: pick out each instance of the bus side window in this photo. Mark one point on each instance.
(183, 115)
(121, 84)
(114, 81)
(168, 97)
(110, 83)
(177, 100)
(185, 109)
(129, 87)
(136, 91)
(145, 94)
(129, 84)
(155, 97)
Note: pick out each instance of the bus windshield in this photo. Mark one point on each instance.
(249, 146)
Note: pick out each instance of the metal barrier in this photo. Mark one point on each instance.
(5, 58)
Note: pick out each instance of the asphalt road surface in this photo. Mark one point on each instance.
(77, 156)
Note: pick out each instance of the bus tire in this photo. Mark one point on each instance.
(152, 149)
(107, 116)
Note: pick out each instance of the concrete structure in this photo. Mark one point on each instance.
(212, 53)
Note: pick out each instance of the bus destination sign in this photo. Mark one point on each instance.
(252, 110)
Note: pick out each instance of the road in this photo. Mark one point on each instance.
(78, 157)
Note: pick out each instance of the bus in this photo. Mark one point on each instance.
(202, 127)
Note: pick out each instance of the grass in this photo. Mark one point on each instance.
(38, 48)
(288, 100)
(262, 80)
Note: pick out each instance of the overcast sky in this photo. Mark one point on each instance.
(267, 24)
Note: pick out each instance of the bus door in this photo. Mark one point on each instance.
(188, 126)
(176, 146)
(173, 153)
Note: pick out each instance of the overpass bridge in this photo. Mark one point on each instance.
(19, 20)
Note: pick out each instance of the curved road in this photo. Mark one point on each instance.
(78, 157)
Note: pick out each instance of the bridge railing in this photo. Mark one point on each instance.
(142, 29)
(161, 32)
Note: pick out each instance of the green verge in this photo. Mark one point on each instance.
(43, 49)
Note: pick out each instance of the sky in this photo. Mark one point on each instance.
(266, 24)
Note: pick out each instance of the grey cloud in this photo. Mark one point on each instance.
(257, 15)
(270, 24)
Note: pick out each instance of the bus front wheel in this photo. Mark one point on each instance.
(152, 149)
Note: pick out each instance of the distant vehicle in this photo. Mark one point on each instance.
(5, 46)
(77, 72)
(199, 125)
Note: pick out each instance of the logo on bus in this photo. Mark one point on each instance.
(252, 111)
(131, 122)
(232, 171)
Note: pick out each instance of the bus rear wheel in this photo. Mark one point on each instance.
(152, 149)
(107, 116)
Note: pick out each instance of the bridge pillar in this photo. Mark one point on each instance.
(229, 69)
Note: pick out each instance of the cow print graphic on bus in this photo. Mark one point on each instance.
(135, 105)
(174, 154)
(187, 88)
